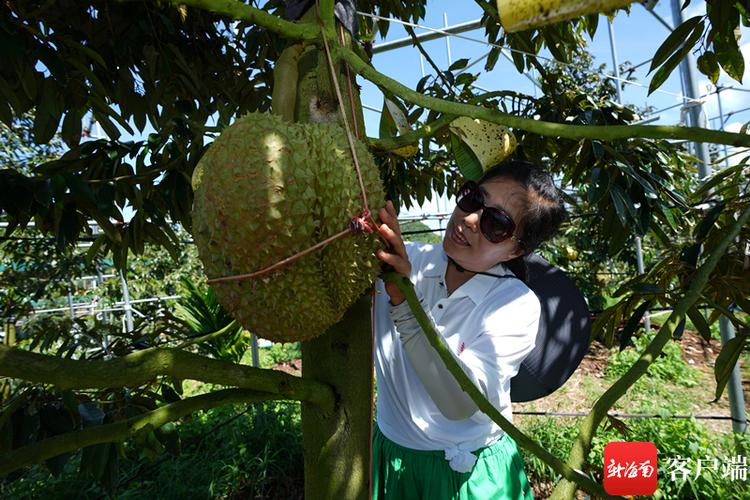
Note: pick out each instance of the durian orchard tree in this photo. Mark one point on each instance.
(187, 69)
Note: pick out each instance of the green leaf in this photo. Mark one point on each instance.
(674, 40)
(109, 128)
(398, 114)
(592, 22)
(641, 289)
(94, 460)
(707, 223)
(465, 159)
(169, 394)
(44, 127)
(71, 128)
(730, 56)
(459, 64)
(663, 73)
(632, 324)
(700, 323)
(598, 185)
(492, 58)
(56, 465)
(623, 204)
(6, 115)
(169, 436)
(387, 124)
(726, 362)
(709, 66)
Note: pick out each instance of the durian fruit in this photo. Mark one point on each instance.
(267, 189)
(517, 15)
(490, 142)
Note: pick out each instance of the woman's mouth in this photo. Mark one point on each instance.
(458, 238)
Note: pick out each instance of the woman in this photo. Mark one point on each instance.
(430, 441)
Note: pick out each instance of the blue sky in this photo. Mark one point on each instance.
(637, 35)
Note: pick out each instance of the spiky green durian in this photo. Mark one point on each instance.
(267, 189)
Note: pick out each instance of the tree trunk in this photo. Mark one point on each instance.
(337, 445)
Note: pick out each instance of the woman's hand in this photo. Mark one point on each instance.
(395, 255)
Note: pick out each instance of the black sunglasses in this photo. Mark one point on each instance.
(496, 225)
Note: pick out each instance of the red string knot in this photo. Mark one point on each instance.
(360, 224)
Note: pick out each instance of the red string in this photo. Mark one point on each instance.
(357, 226)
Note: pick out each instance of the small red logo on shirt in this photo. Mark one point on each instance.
(630, 468)
(461, 348)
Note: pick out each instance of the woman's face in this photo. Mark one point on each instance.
(464, 241)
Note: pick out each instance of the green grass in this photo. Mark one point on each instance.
(671, 387)
(669, 367)
(250, 451)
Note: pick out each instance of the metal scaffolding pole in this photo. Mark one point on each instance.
(70, 304)
(734, 386)
(695, 108)
(721, 123)
(254, 350)
(126, 299)
(447, 38)
(426, 37)
(638, 242)
(698, 119)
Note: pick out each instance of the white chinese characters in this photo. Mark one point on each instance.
(630, 469)
(734, 468)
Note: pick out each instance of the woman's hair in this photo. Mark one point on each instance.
(544, 212)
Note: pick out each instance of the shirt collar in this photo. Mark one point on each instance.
(476, 288)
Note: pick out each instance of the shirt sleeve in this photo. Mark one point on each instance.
(495, 355)
(439, 383)
(490, 360)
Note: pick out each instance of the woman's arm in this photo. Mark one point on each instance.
(439, 383)
(395, 255)
(490, 360)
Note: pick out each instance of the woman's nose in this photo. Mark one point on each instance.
(471, 221)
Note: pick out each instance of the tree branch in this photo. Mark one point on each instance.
(418, 45)
(209, 336)
(243, 11)
(426, 130)
(407, 288)
(119, 431)
(602, 132)
(140, 367)
(582, 445)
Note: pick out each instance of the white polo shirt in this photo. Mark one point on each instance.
(490, 324)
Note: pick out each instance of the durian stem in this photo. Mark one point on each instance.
(407, 288)
(140, 367)
(327, 16)
(582, 445)
(285, 76)
(602, 132)
(239, 10)
(124, 429)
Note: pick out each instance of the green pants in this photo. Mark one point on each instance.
(400, 473)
